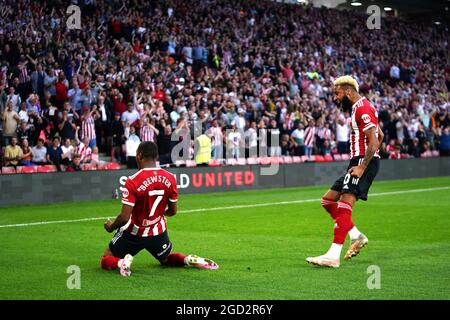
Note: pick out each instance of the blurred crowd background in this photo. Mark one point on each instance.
(141, 70)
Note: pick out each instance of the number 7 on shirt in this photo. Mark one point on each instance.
(160, 195)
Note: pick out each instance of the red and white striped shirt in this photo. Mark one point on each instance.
(364, 117)
(310, 132)
(147, 134)
(216, 132)
(88, 128)
(324, 133)
(148, 192)
(84, 151)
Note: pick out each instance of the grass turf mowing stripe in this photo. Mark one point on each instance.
(224, 208)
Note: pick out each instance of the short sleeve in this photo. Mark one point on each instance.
(366, 118)
(129, 193)
(173, 190)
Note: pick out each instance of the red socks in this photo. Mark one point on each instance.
(109, 263)
(175, 259)
(344, 221)
(331, 207)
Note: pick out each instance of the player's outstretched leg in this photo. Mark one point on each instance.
(180, 260)
(109, 262)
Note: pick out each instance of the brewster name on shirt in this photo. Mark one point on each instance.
(150, 180)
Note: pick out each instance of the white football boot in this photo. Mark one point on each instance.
(324, 261)
(199, 262)
(125, 265)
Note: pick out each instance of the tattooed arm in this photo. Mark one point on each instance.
(372, 147)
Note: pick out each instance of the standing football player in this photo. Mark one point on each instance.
(142, 221)
(366, 137)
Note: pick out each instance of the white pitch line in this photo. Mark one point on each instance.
(225, 208)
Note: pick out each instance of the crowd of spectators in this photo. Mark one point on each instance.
(141, 70)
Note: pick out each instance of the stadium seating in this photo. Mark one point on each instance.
(265, 160)
(328, 158)
(435, 153)
(276, 160)
(47, 168)
(190, 163)
(319, 158)
(345, 157)
(309, 159)
(215, 163)
(287, 159)
(88, 167)
(180, 163)
(241, 161)
(426, 154)
(8, 170)
(253, 161)
(108, 166)
(297, 159)
(26, 169)
(337, 157)
(113, 166)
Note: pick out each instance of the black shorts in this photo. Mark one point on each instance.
(125, 243)
(358, 186)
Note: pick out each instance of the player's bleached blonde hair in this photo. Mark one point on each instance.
(347, 80)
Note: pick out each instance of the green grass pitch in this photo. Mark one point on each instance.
(261, 250)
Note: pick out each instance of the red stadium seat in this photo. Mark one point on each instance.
(215, 163)
(297, 159)
(46, 168)
(190, 163)
(88, 167)
(337, 157)
(328, 158)
(180, 163)
(26, 169)
(345, 157)
(264, 160)
(8, 170)
(112, 166)
(231, 162)
(276, 160)
(102, 166)
(287, 159)
(308, 159)
(241, 161)
(319, 158)
(253, 161)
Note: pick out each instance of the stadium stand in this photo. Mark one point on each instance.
(164, 66)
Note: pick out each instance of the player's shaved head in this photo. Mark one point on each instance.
(148, 150)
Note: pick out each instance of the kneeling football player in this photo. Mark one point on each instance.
(149, 196)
